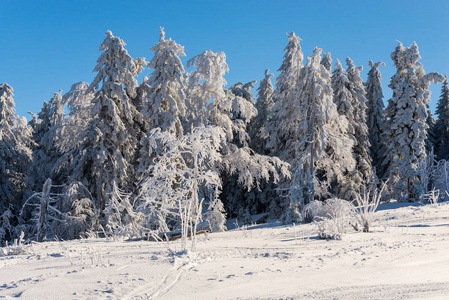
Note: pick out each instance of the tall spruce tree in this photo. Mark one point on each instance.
(374, 115)
(358, 120)
(9, 172)
(326, 61)
(164, 101)
(47, 138)
(323, 151)
(109, 142)
(349, 96)
(405, 127)
(264, 104)
(431, 139)
(282, 126)
(163, 96)
(442, 123)
(15, 158)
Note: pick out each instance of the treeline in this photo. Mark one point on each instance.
(117, 157)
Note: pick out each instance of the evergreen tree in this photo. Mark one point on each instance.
(108, 144)
(164, 101)
(442, 124)
(15, 158)
(323, 151)
(406, 128)
(287, 81)
(163, 96)
(374, 115)
(283, 123)
(264, 105)
(357, 121)
(11, 172)
(326, 61)
(79, 104)
(431, 136)
(46, 152)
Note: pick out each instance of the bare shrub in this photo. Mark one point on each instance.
(333, 218)
(432, 196)
(367, 204)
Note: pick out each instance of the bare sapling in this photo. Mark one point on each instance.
(367, 204)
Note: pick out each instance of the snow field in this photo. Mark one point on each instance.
(403, 257)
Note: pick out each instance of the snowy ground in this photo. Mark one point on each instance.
(405, 256)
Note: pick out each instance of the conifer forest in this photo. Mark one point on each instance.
(183, 152)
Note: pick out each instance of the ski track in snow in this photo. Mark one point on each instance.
(404, 257)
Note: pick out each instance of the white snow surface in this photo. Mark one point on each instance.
(405, 256)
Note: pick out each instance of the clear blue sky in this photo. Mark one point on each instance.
(48, 45)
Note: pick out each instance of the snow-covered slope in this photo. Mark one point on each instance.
(405, 256)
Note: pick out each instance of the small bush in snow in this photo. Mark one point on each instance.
(441, 179)
(334, 218)
(367, 204)
(313, 209)
(431, 197)
(16, 248)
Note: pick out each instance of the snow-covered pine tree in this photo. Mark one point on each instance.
(323, 150)
(357, 120)
(290, 68)
(47, 138)
(198, 92)
(442, 124)
(163, 95)
(326, 61)
(79, 104)
(80, 212)
(264, 105)
(281, 127)
(375, 116)
(431, 137)
(13, 150)
(164, 100)
(406, 115)
(108, 144)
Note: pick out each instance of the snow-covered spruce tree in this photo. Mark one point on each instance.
(163, 95)
(13, 150)
(163, 100)
(108, 144)
(281, 126)
(232, 113)
(290, 68)
(79, 104)
(184, 183)
(323, 150)
(6, 228)
(76, 200)
(431, 137)
(326, 61)
(198, 91)
(357, 122)
(442, 124)
(406, 115)
(79, 210)
(375, 116)
(46, 151)
(264, 105)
